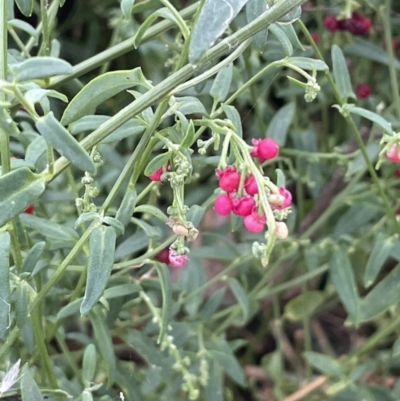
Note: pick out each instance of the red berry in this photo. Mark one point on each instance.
(177, 260)
(397, 173)
(358, 24)
(30, 209)
(315, 37)
(156, 175)
(250, 185)
(331, 23)
(363, 91)
(163, 256)
(229, 178)
(244, 205)
(264, 149)
(223, 205)
(288, 199)
(394, 153)
(254, 222)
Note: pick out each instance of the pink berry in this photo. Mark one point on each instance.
(30, 209)
(177, 260)
(163, 256)
(229, 178)
(288, 199)
(223, 205)
(331, 23)
(394, 153)
(250, 185)
(254, 222)
(358, 24)
(264, 149)
(363, 91)
(244, 205)
(315, 37)
(156, 175)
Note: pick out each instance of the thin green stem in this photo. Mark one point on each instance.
(181, 22)
(45, 47)
(18, 41)
(394, 83)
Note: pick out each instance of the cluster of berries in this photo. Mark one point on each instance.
(357, 24)
(394, 153)
(243, 202)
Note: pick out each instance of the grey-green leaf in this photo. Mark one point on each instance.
(166, 289)
(89, 364)
(281, 37)
(29, 389)
(214, 18)
(18, 189)
(341, 74)
(126, 8)
(222, 82)
(33, 257)
(234, 116)
(380, 252)
(101, 259)
(254, 8)
(280, 123)
(39, 68)
(241, 296)
(25, 6)
(308, 63)
(54, 133)
(385, 294)
(127, 206)
(99, 90)
(344, 281)
(24, 26)
(324, 363)
(4, 284)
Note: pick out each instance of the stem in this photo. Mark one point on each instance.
(45, 47)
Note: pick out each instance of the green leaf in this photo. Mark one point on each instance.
(384, 295)
(214, 18)
(291, 35)
(35, 149)
(122, 290)
(36, 95)
(157, 162)
(104, 342)
(230, 365)
(54, 133)
(89, 364)
(254, 8)
(366, 49)
(291, 16)
(195, 214)
(378, 256)
(166, 289)
(33, 257)
(370, 115)
(152, 210)
(5, 307)
(233, 115)
(212, 304)
(280, 123)
(189, 105)
(126, 8)
(39, 68)
(188, 139)
(222, 83)
(324, 364)
(86, 217)
(115, 224)
(24, 26)
(344, 281)
(21, 303)
(241, 296)
(49, 228)
(29, 389)
(18, 189)
(214, 390)
(7, 124)
(149, 230)
(341, 74)
(304, 305)
(25, 6)
(127, 206)
(101, 89)
(69, 309)
(281, 37)
(306, 63)
(101, 260)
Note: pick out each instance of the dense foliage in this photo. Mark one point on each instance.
(199, 200)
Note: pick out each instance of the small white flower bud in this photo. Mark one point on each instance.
(281, 230)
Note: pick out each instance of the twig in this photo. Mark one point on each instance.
(307, 389)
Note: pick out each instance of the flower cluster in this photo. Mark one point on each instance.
(357, 24)
(241, 194)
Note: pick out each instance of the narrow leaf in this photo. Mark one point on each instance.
(281, 37)
(69, 309)
(29, 389)
(304, 305)
(230, 365)
(241, 296)
(324, 364)
(254, 8)
(103, 338)
(21, 304)
(99, 90)
(127, 207)
(341, 74)
(384, 295)
(25, 6)
(126, 8)
(308, 63)
(33, 257)
(370, 115)
(64, 142)
(101, 259)
(214, 18)
(166, 289)
(39, 68)
(89, 364)
(24, 26)
(122, 290)
(157, 162)
(344, 281)
(380, 252)
(5, 308)
(280, 123)
(222, 82)
(18, 189)
(234, 116)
